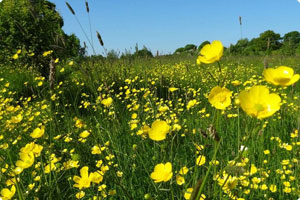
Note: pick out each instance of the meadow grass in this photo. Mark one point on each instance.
(98, 116)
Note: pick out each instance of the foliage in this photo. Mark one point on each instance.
(188, 49)
(144, 53)
(34, 27)
(268, 42)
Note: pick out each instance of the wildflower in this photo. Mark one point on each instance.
(26, 160)
(283, 76)
(273, 188)
(258, 102)
(85, 180)
(236, 83)
(32, 147)
(38, 132)
(107, 102)
(46, 53)
(180, 180)
(16, 119)
(191, 104)
(96, 177)
(266, 152)
(84, 134)
(162, 172)
(15, 56)
(201, 160)
(183, 170)
(220, 98)
(80, 194)
(70, 164)
(173, 89)
(8, 193)
(78, 123)
(97, 150)
(211, 53)
(159, 130)
(188, 193)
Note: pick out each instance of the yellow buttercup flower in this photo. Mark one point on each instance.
(80, 194)
(7, 194)
(258, 102)
(283, 76)
(188, 193)
(220, 98)
(173, 89)
(32, 147)
(191, 104)
(211, 53)
(16, 119)
(26, 160)
(15, 56)
(180, 180)
(38, 132)
(183, 170)
(236, 83)
(84, 134)
(162, 172)
(85, 180)
(107, 102)
(200, 160)
(159, 130)
(96, 177)
(70, 164)
(46, 53)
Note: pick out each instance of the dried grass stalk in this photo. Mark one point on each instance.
(70, 8)
(87, 6)
(100, 39)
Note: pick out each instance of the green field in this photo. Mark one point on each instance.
(120, 118)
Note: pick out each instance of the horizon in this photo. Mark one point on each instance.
(153, 24)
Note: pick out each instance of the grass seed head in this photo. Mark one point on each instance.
(70, 8)
(100, 39)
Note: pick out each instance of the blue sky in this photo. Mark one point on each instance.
(166, 25)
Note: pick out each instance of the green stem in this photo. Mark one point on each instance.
(220, 71)
(208, 171)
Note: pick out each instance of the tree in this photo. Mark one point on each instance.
(241, 47)
(35, 27)
(143, 53)
(269, 40)
(291, 41)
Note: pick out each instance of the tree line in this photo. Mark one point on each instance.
(267, 43)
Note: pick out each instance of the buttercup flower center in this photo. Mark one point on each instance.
(259, 107)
